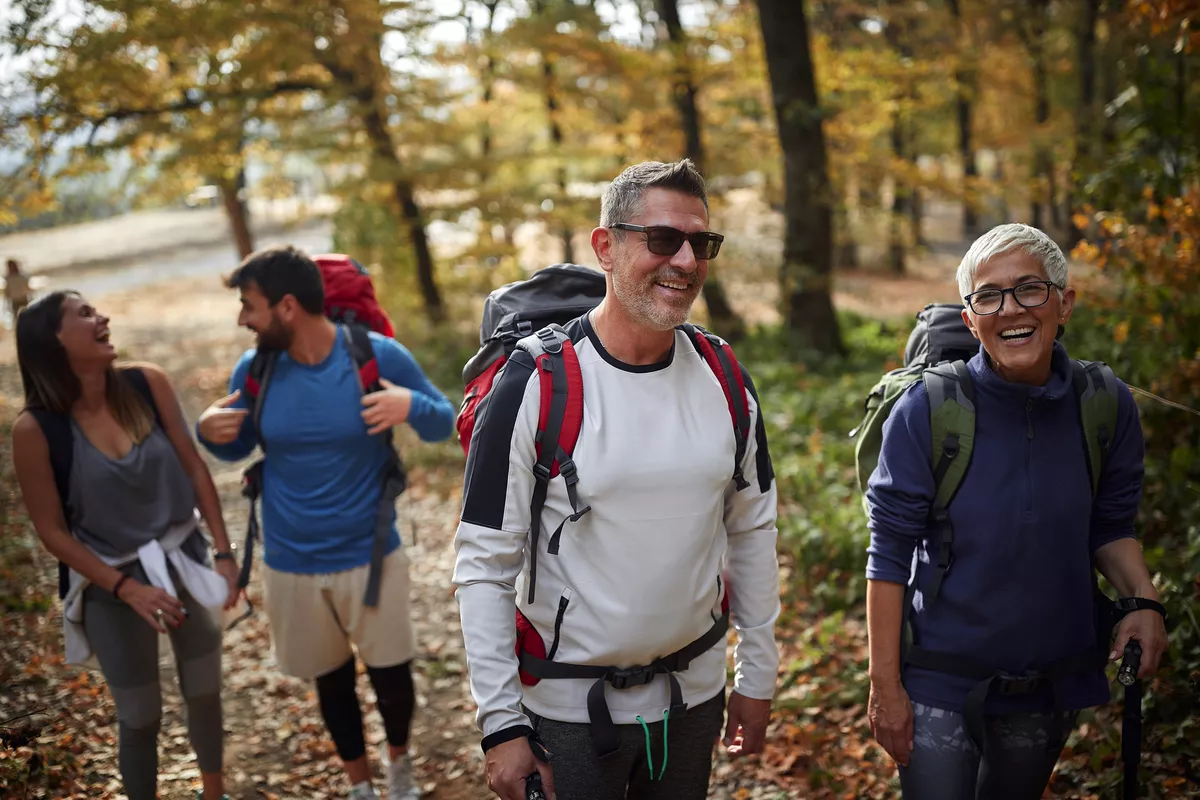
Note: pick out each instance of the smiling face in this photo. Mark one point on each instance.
(1019, 340)
(271, 324)
(83, 333)
(656, 291)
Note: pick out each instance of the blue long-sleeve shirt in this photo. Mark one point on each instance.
(321, 477)
(1018, 594)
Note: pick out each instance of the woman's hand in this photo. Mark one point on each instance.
(1148, 628)
(153, 604)
(227, 568)
(891, 717)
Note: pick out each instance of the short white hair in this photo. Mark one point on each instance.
(1004, 239)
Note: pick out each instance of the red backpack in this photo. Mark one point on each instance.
(530, 314)
(350, 302)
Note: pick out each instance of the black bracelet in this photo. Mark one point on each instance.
(223, 554)
(117, 586)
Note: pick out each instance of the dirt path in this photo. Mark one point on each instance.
(276, 745)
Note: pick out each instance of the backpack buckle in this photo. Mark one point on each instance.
(541, 472)
(632, 676)
(1024, 683)
(550, 342)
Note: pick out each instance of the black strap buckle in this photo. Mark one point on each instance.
(1009, 684)
(566, 468)
(550, 342)
(632, 676)
(541, 472)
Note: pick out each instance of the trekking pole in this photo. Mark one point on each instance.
(1131, 718)
(533, 787)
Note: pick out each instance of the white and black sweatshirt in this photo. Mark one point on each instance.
(640, 574)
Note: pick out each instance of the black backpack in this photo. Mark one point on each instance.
(60, 439)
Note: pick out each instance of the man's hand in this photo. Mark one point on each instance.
(890, 715)
(220, 424)
(509, 764)
(746, 730)
(1148, 628)
(386, 408)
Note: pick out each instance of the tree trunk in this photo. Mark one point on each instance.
(363, 86)
(549, 87)
(965, 78)
(1085, 115)
(723, 319)
(899, 199)
(489, 81)
(405, 197)
(806, 275)
(237, 213)
(1043, 163)
(846, 216)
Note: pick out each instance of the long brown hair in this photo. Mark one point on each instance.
(49, 381)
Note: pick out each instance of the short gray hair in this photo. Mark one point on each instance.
(622, 199)
(1004, 239)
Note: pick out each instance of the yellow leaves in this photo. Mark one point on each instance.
(1121, 332)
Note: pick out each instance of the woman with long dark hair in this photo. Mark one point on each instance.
(112, 481)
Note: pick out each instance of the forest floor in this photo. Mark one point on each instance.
(276, 746)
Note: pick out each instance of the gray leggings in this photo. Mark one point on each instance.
(946, 764)
(580, 775)
(127, 649)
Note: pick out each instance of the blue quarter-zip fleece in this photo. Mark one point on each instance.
(1018, 594)
(321, 479)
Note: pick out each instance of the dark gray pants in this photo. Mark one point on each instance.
(580, 775)
(127, 649)
(946, 764)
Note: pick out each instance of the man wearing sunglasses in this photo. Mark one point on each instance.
(641, 577)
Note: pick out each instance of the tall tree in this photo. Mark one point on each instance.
(550, 55)
(965, 81)
(1035, 39)
(684, 90)
(806, 275)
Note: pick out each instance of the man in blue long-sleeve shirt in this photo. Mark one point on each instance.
(321, 489)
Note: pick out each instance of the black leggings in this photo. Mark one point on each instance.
(343, 716)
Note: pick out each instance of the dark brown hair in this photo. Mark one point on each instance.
(51, 383)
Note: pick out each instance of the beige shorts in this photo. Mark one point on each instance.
(315, 619)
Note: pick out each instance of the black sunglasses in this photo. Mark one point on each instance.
(663, 240)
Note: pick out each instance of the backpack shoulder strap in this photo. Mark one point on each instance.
(719, 356)
(258, 377)
(138, 378)
(560, 418)
(60, 441)
(358, 342)
(952, 423)
(1095, 387)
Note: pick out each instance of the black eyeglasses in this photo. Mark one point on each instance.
(1027, 295)
(663, 240)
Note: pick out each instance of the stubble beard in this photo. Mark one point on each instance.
(638, 299)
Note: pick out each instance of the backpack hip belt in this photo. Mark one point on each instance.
(1008, 683)
(604, 731)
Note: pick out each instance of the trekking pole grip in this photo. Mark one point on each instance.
(533, 787)
(1130, 663)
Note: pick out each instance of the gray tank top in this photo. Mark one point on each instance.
(118, 505)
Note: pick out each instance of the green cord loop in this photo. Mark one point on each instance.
(666, 717)
(649, 753)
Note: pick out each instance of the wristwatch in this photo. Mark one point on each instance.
(218, 555)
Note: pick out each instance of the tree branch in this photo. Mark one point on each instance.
(191, 102)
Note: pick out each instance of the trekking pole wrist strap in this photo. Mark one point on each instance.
(1127, 605)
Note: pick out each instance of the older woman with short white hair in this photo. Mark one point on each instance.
(1003, 647)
